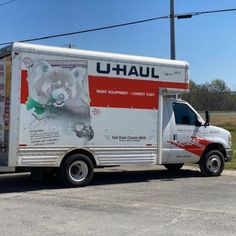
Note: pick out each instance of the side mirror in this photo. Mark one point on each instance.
(207, 118)
(198, 123)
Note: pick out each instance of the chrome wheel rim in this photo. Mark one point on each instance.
(214, 163)
(78, 171)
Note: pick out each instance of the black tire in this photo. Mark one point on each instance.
(212, 163)
(173, 167)
(76, 171)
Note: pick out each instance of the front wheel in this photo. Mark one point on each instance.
(76, 171)
(212, 163)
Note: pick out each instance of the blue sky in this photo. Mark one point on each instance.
(207, 42)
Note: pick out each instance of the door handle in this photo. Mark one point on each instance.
(175, 136)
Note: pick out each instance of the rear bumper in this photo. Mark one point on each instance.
(229, 154)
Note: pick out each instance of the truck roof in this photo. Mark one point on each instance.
(26, 47)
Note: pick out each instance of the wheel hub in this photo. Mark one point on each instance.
(78, 171)
(214, 163)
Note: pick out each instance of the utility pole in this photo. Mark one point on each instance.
(172, 30)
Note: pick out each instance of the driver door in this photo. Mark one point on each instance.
(186, 134)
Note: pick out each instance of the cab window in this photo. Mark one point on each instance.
(184, 115)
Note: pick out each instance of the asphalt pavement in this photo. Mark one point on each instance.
(136, 200)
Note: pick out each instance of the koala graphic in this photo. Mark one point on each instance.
(57, 90)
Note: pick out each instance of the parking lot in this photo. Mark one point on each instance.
(121, 201)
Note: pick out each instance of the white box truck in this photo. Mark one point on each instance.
(74, 110)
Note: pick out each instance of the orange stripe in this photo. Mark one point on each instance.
(24, 87)
(22, 145)
(127, 93)
(173, 85)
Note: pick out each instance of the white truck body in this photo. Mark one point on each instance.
(113, 108)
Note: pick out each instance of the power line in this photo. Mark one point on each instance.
(90, 30)
(5, 3)
(214, 11)
(178, 16)
(191, 14)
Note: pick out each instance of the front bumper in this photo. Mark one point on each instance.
(229, 154)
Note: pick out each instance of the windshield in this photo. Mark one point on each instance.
(185, 114)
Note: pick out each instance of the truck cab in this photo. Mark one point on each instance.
(190, 138)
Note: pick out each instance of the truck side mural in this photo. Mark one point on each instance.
(76, 99)
(55, 100)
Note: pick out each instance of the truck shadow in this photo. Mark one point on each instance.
(22, 182)
(123, 176)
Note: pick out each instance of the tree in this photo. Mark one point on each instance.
(218, 85)
(220, 96)
(214, 96)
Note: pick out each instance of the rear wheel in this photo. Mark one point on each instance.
(76, 171)
(173, 167)
(212, 163)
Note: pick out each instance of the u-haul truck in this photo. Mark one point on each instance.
(73, 110)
